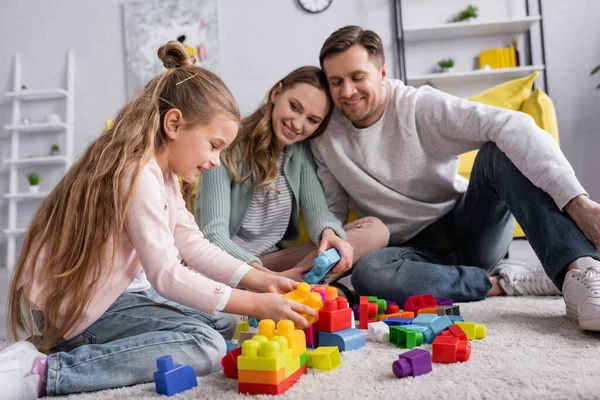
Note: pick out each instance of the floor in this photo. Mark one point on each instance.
(519, 250)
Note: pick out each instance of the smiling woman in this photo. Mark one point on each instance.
(251, 208)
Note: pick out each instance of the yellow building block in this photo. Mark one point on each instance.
(292, 366)
(242, 326)
(264, 377)
(473, 330)
(326, 358)
(303, 295)
(296, 339)
(262, 354)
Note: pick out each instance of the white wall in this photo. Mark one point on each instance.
(261, 40)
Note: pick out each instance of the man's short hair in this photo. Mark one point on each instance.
(348, 36)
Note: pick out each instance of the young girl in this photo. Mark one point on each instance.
(251, 207)
(117, 211)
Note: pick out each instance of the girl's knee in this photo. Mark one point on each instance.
(213, 348)
(229, 325)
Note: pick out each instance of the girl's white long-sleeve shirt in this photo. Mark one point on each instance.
(159, 233)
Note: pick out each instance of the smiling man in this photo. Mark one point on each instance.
(391, 151)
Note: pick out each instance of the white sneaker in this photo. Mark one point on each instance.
(581, 291)
(521, 279)
(24, 370)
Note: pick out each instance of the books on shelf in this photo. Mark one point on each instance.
(498, 58)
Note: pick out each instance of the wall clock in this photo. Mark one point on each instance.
(315, 6)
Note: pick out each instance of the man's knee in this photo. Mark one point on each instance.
(376, 233)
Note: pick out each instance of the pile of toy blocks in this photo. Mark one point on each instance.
(424, 320)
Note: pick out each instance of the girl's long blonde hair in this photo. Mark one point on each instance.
(85, 212)
(256, 143)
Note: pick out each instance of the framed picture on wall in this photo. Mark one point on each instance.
(150, 24)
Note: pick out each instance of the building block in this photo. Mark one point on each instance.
(414, 303)
(322, 292)
(262, 354)
(426, 332)
(242, 326)
(456, 318)
(332, 292)
(392, 309)
(455, 331)
(346, 340)
(397, 321)
(265, 377)
(229, 363)
(448, 310)
(171, 379)
(356, 311)
(368, 311)
(335, 315)
(406, 314)
(253, 322)
(243, 336)
(312, 336)
(406, 338)
(443, 301)
(323, 264)
(303, 358)
(257, 388)
(450, 349)
(433, 321)
(381, 304)
(296, 339)
(473, 330)
(326, 358)
(412, 363)
(303, 295)
(379, 332)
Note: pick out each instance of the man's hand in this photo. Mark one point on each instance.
(586, 215)
(330, 240)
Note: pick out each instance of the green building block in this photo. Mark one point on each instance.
(405, 338)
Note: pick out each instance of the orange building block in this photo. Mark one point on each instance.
(257, 388)
(428, 310)
(264, 377)
(405, 314)
(335, 315)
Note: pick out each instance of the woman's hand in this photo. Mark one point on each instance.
(330, 240)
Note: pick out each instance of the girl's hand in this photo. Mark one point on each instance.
(275, 307)
(278, 284)
(296, 272)
(330, 240)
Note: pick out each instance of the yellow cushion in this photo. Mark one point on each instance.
(509, 94)
(540, 106)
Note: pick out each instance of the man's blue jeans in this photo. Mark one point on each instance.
(452, 257)
(121, 347)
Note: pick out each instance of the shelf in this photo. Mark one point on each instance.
(27, 195)
(452, 30)
(472, 76)
(38, 127)
(14, 232)
(39, 160)
(38, 94)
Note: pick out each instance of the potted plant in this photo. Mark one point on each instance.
(34, 182)
(55, 150)
(446, 65)
(468, 14)
(594, 71)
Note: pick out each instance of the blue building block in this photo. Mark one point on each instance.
(172, 379)
(253, 322)
(426, 331)
(398, 321)
(455, 318)
(344, 340)
(440, 324)
(323, 264)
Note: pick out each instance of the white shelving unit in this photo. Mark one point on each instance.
(16, 129)
(470, 29)
(471, 76)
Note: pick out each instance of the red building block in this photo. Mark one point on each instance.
(415, 303)
(229, 363)
(455, 331)
(368, 312)
(257, 388)
(335, 315)
(449, 349)
(392, 309)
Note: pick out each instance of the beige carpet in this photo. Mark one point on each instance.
(531, 352)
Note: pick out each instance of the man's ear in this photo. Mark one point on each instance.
(383, 73)
(276, 92)
(172, 123)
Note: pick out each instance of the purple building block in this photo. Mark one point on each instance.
(356, 310)
(172, 379)
(412, 363)
(443, 301)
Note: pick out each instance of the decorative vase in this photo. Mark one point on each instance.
(448, 70)
(34, 188)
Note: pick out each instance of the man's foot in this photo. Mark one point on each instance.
(521, 279)
(581, 291)
(33, 367)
